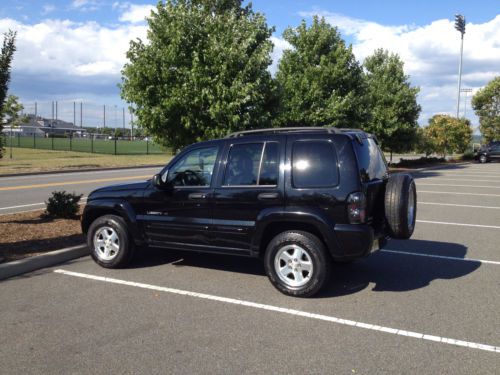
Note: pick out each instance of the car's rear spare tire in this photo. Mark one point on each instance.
(401, 205)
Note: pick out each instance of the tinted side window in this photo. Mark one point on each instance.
(314, 164)
(194, 169)
(370, 160)
(243, 164)
(270, 165)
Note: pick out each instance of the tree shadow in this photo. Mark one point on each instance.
(394, 271)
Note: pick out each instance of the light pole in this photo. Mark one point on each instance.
(467, 91)
(460, 26)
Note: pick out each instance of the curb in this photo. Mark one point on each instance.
(81, 170)
(18, 267)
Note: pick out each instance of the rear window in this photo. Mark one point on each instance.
(314, 164)
(371, 161)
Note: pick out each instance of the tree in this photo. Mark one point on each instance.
(449, 134)
(12, 111)
(6, 55)
(320, 81)
(392, 102)
(486, 104)
(202, 73)
(424, 142)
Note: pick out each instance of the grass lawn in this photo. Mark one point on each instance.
(31, 160)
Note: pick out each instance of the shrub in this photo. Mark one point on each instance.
(419, 162)
(62, 204)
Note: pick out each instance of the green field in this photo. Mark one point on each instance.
(98, 146)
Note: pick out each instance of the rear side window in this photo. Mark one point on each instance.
(371, 161)
(314, 164)
(252, 164)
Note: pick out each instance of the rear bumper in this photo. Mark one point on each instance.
(356, 241)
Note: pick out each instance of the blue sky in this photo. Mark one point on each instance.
(74, 50)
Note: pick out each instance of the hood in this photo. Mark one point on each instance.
(119, 191)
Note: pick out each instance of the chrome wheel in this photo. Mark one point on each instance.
(293, 265)
(483, 159)
(106, 243)
(411, 206)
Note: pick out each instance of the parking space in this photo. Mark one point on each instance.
(400, 310)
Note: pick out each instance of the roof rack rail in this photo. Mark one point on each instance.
(330, 129)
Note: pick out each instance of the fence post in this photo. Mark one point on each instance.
(52, 137)
(91, 143)
(147, 145)
(115, 140)
(70, 141)
(34, 141)
(18, 139)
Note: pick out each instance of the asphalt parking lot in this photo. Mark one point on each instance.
(427, 305)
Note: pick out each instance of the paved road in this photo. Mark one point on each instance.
(397, 311)
(30, 192)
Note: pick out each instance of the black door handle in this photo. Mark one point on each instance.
(197, 196)
(265, 196)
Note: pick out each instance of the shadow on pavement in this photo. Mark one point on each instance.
(401, 272)
(387, 271)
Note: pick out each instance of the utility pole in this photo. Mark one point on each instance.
(460, 26)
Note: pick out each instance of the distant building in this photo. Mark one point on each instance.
(42, 127)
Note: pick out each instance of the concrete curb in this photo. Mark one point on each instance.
(52, 258)
(82, 170)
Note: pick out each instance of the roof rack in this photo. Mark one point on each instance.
(330, 130)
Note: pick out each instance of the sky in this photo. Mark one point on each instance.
(74, 50)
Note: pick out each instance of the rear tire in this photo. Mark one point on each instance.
(401, 205)
(297, 263)
(483, 159)
(109, 242)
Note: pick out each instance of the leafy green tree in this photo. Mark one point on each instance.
(392, 102)
(486, 104)
(424, 142)
(449, 134)
(202, 72)
(6, 55)
(320, 81)
(12, 111)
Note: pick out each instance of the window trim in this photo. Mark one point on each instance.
(264, 145)
(314, 140)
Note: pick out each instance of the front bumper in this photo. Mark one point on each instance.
(357, 240)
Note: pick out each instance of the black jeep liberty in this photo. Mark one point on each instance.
(299, 198)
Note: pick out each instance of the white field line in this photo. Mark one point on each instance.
(441, 257)
(474, 186)
(455, 193)
(284, 310)
(458, 205)
(458, 224)
(437, 178)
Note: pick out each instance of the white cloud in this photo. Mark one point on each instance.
(430, 53)
(134, 13)
(279, 46)
(86, 5)
(66, 49)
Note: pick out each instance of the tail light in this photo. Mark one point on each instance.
(356, 208)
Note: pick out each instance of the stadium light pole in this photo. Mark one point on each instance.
(460, 26)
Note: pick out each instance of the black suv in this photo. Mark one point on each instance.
(299, 198)
(488, 152)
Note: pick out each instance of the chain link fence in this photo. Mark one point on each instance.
(81, 127)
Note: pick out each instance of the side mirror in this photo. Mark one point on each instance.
(158, 182)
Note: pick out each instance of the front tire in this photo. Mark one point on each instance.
(297, 263)
(483, 159)
(109, 242)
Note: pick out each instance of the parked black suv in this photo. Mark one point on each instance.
(488, 152)
(297, 197)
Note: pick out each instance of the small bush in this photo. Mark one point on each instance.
(419, 162)
(63, 205)
(468, 155)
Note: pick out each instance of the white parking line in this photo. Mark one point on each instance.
(83, 200)
(458, 205)
(284, 310)
(455, 193)
(454, 185)
(459, 224)
(441, 257)
(438, 178)
(21, 206)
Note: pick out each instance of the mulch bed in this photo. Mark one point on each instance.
(28, 233)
